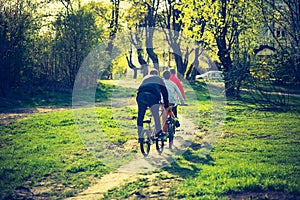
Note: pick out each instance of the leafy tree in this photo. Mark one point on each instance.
(16, 22)
(142, 17)
(114, 23)
(226, 21)
(150, 24)
(135, 17)
(173, 30)
(76, 35)
(283, 21)
(109, 15)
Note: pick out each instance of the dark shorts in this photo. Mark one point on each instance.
(147, 99)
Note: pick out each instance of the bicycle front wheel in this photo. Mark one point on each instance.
(145, 146)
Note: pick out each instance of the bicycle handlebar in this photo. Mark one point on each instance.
(178, 104)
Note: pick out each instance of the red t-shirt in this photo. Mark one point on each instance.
(177, 82)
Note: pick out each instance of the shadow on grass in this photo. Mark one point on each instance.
(271, 105)
(187, 165)
(40, 96)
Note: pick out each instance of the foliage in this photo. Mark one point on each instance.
(76, 35)
(282, 20)
(227, 28)
(43, 49)
(16, 24)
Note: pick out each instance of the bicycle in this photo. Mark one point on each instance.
(171, 123)
(149, 138)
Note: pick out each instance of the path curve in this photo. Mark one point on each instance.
(133, 170)
(139, 167)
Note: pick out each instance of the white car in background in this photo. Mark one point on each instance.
(211, 76)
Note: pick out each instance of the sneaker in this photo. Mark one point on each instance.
(176, 123)
(159, 133)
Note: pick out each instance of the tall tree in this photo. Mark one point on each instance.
(114, 23)
(141, 20)
(173, 30)
(135, 18)
(135, 39)
(16, 19)
(76, 35)
(225, 22)
(283, 21)
(150, 25)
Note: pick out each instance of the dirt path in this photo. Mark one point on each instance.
(21, 113)
(131, 171)
(136, 168)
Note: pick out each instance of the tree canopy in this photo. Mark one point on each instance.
(45, 42)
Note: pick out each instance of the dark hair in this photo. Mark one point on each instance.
(166, 74)
(172, 71)
(154, 72)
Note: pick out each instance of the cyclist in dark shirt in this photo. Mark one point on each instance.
(149, 95)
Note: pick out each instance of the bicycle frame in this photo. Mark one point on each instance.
(169, 125)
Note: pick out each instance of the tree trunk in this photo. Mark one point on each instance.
(149, 48)
(228, 76)
(179, 65)
(142, 61)
(226, 61)
(114, 24)
(131, 65)
(150, 26)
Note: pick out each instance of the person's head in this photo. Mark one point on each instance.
(166, 75)
(172, 71)
(153, 72)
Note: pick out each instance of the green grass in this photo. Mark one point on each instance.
(49, 145)
(30, 97)
(45, 145)
(47, 150)
(258, 152)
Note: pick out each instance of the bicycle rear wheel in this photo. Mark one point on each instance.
(159, 144)
(171, 132)
(145, 146)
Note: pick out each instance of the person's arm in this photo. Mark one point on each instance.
(179, 94)
(177, 82)
(181, 89)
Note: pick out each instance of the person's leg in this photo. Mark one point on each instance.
(174, 109)
(155, 112)
(164, 119)
(141, 113)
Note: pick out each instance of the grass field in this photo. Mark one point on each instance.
(257, 153)
(256, 157)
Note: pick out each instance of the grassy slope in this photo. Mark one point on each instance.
(257, 152)
(45, 151)
(48, 146)
(28, 97)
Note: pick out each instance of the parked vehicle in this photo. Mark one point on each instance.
(211, 76)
